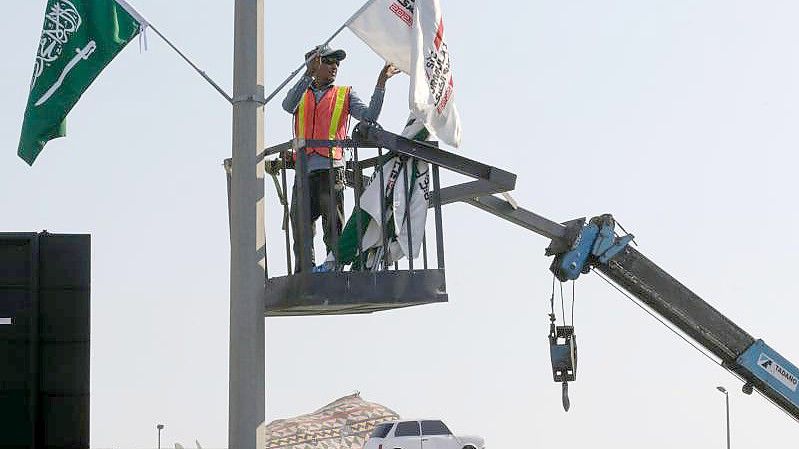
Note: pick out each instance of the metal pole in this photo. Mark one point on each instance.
(727, 398)
(159, 427)
(302, 66)
(406, 175)
(439, 224)
(246, 393)
(727, 402)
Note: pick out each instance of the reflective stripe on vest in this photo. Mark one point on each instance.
(325, 120)
(301, 115)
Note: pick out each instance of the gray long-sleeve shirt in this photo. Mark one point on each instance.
(358, 110)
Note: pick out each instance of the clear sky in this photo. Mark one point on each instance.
(678, 117)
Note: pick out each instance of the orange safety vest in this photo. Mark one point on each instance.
(326, 120)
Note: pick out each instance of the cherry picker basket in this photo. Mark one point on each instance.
(375, 274)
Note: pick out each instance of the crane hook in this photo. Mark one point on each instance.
(563, 352)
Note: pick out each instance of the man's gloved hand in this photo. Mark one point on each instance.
(274, 166)
(271, 166)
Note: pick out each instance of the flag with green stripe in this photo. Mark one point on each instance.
(79, 39)
(402, 172)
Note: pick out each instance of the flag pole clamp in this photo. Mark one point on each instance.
(248, 98)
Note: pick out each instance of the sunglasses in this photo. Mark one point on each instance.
(331, 61)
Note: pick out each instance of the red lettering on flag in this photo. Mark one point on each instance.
(439, 34)
(401, 13)
(446, 97)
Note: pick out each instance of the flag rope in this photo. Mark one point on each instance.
(338, 31)
(295, 72)
(147, 24)
(213, 83)
(197, 69)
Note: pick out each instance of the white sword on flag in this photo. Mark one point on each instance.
(82, 55)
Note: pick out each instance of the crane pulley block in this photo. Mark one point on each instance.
(596, 241)
(563, 352)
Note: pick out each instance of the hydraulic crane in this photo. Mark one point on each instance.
(579, 246)
(597, 245)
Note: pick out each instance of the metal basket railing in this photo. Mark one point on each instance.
(366, 280)
(386, 168)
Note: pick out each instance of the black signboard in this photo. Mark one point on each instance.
(44, 340)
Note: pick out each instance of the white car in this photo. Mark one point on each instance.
(419, 434)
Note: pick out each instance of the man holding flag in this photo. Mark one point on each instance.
(410, 34)
(321, 111)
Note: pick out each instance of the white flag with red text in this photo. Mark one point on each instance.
(410, 35)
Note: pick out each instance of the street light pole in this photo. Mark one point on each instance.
(159, 427)
(246, 394)
(727, 401)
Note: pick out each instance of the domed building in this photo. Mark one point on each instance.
(343, 424)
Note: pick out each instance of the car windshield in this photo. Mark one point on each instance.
(381, 430)
(434, 428)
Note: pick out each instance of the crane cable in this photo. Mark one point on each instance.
(684, 338)
(562, 302)
(552, 300)
(574, 299)
(652, 314)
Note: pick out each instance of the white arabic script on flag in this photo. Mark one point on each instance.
(60, 23)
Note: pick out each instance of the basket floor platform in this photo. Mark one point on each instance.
(353, 292)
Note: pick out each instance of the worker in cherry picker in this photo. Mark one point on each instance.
(321, 111)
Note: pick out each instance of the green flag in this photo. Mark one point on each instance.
(79, 38)
(368, 216)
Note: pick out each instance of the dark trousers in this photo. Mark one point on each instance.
(320, 201)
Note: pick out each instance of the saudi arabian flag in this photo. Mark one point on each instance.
(79, 38)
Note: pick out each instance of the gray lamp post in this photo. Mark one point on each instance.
(727, 401)
(159, 427)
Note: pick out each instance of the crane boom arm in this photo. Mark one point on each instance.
(753, 360)
(578, 246)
